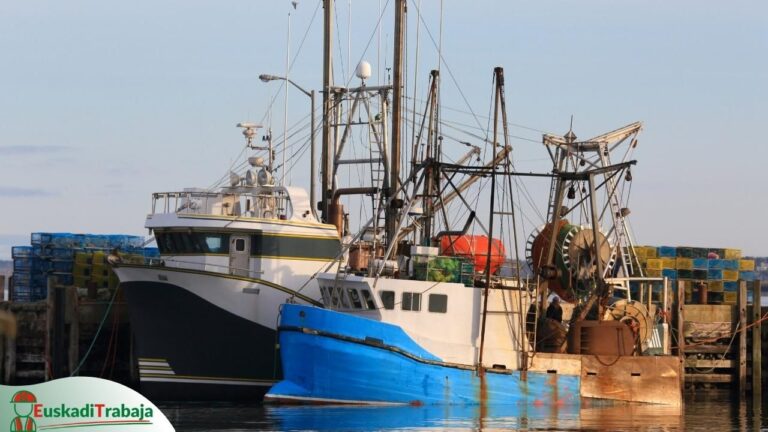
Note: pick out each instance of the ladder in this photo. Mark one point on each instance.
(624, 244)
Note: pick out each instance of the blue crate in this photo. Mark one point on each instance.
(666, 252)
(21, 264)
(731, 286)
(716, 264)
(715, 274)
(22, 278)
(669, 273)
(21, 251)
(731, 264)
(748, 276)
(700, 264)
(62, 266)
(64, 279)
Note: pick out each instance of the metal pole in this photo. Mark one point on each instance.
(312, 157)
(397, 96)
(499, 78)
(327, 83)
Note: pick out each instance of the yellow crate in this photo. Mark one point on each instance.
(747, 265)
(732, 253)
(98, 257)
(668, 263)
(730, 297)
(81, 281)
(715, 286)
(650, 252)
(82, 258)
(655, 264)
(683, 263)
(730, 275)
(82, 270)
(653, 272)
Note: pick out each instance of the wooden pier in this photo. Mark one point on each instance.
(69, 333)
(721, 344)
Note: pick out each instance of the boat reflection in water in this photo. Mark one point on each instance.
(591, 415)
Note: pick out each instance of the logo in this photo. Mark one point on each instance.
(23, 404)
(78, 403)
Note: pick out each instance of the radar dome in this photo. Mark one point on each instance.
(363, 70)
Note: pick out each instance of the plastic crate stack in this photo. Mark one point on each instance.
(721, 269)
(63, 254)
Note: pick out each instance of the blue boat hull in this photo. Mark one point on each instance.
(329, 357)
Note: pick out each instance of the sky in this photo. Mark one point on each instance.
(104, 103)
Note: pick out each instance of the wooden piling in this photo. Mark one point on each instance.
(757, 338)
(9, 361)
(680, 320)
(742, 311)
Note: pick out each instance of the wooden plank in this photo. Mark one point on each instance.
(698, 331)
(693, 362)
(757, 340)
(711, 313)
(29, 374)
(742, 339)
(30, 358)
(564, 364)
(649, 379)
(710, 349)
(709, 378)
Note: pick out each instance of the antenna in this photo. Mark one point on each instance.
(249, 131)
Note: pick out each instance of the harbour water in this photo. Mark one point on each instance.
(702, 412)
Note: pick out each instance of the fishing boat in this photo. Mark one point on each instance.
(418, 312)
(228, 258)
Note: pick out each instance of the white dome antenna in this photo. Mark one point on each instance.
(249, 131)
(234, 179)
(363, 70)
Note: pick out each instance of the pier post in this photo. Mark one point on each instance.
(10, 361)
(680, 318)
(73, 317)
(742, 306)
(757, 339)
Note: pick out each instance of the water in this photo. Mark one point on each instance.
(701, 412)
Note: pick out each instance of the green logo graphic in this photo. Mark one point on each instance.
(23, 402)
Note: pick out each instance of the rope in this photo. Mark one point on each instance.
(96, 336)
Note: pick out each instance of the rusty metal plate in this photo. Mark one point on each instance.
(651, 379)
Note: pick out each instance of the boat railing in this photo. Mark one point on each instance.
(271, 203)
(203, 266)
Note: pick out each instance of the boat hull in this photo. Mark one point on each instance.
(201, 335)
(356, 360)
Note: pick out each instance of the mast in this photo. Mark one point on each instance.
(431, 183)
(498, 73)
(397, 96)
(325, 153)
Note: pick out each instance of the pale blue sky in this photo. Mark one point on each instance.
(103, 103)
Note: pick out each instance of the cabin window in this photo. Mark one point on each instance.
(354, 297)
(438, 303)
(215, 243)
(334, 296)
(368, 299)
(411, 301)
(195, 243)
(388, 299)
(239, 245)
(344, 299)
(325, 295)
